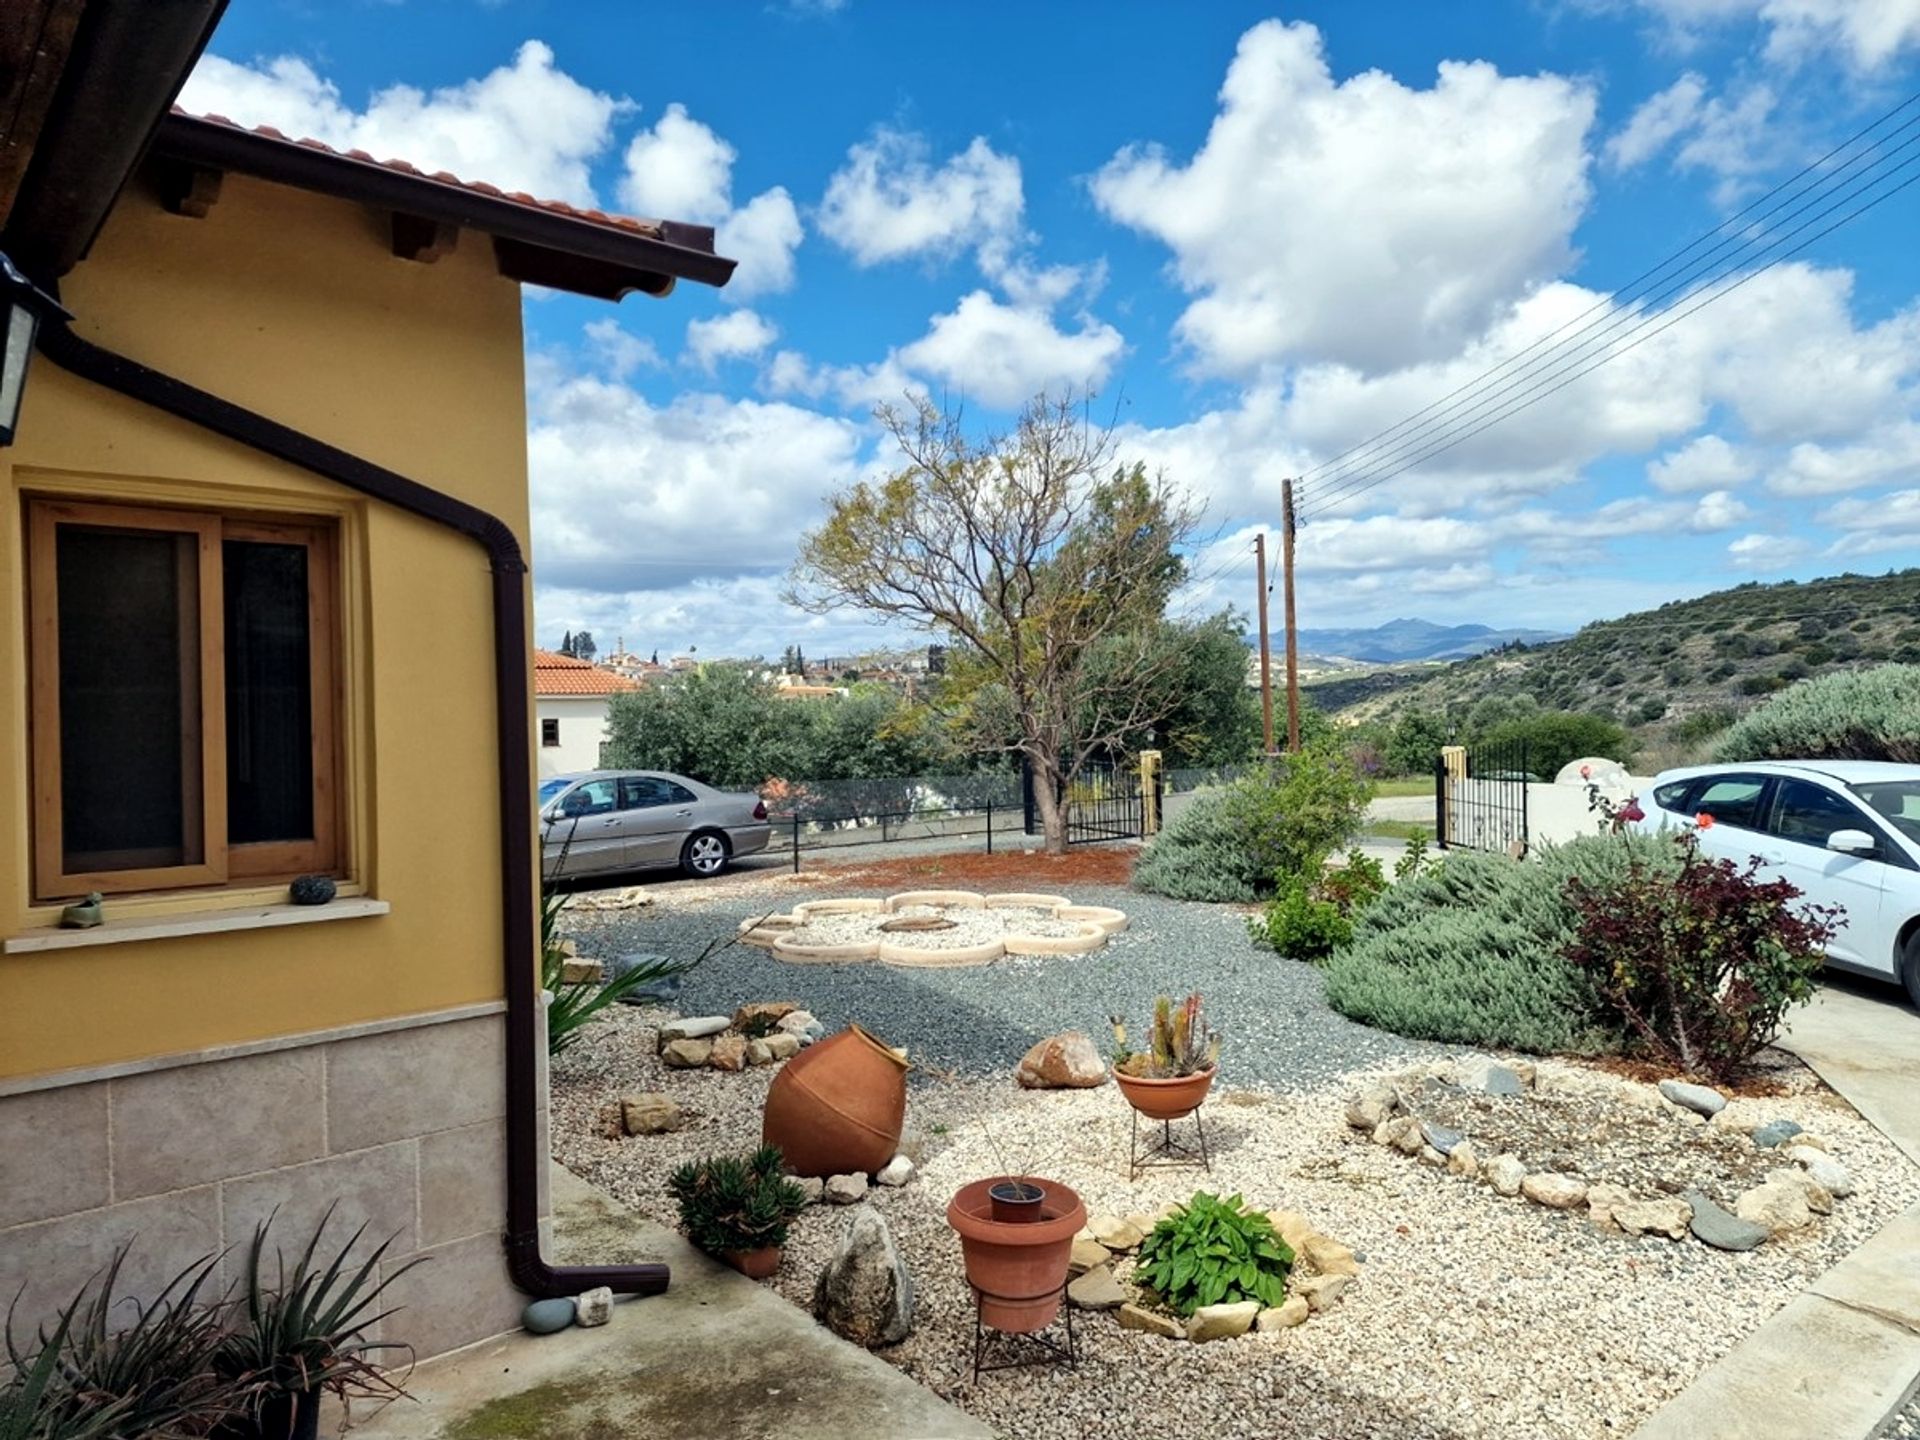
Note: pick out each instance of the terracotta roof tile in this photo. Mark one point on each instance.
(557, 674)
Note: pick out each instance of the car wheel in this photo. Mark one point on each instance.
(1910, 967)
(704, 854)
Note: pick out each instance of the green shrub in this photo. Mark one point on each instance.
(1299, 924)
(1214, 1252)
(1470, 950)
(1202, 854)
(1554, 737)
(1701, 965)
(729, 1203)
(1702, 724)
(1857, 715)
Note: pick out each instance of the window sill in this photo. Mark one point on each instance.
(202, 922)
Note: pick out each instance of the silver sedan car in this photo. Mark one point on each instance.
(601, 822)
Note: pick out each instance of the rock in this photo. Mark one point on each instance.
(1372, 1106)
(1440, 1137)
(1138, 1317)
(1810, 1140)
(1555, 1191)
(593, 1307)
(1701, 1099)
(1327, 1255)
(895, 1172)
(1096, 1290)
(912, 1144)
(700, 1027)
(1322, 1292)
(1432, 1158)
(1114, 1233)
(686, 1054)
(607, 1123)
(1819, 1198)
(764, 1014)
(802, 1026)
(1603, 1200)
(1087, 1255)
(811, 1186)
(1066, 1061)
(580, 972)
(1775, 1132)
(1831, 1175)
(661, 991)
(1505, 1173)
(758, 1053)
(1775, 1207)
(1462, 1160)
(729, 1052)
(1663, 1215)
(1743, 1117)
(847, 1189)
(545, 1317)
(1223, 1322)
(649, 1115)
(1292, 1227)
(1714, 1226)
(1143, 1222)
(1284, 1316)
(1486, 1076)
(865, 1293)
(780, 1045)
(1402, 1132)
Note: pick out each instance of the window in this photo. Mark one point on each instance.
(1896, 801)
(592, 797)
(638, 792)
(183, 698)
(550, 733)
(1673, 797)
(1807, 814)
(1732, 800)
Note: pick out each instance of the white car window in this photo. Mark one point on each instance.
(1807, 814)
(1732, 800)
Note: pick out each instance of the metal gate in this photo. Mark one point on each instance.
(1105, 801)
(1480, 797)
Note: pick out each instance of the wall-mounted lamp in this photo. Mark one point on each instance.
(23, 305)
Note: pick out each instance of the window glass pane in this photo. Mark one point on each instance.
(1809, 813)
(1733, 801)
(1672, 797)
(595, 797)
(1897, 801)
(639, 792)
(129, 704)
(677, 794)
(269, 693)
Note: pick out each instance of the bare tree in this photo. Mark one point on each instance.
(1046, 564)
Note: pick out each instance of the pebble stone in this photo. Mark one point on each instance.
(1717, 1228)
(545, 1317)
(1701, 1099)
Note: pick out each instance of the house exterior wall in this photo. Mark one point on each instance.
(583, 729)
(134, 1090)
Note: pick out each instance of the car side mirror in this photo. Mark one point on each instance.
(1852, 842)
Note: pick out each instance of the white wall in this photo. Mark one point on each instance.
(583, 726)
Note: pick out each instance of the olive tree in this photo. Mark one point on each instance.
(1044, 562)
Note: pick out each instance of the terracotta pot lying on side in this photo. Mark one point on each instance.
(1173, 1099)
(838, 1106)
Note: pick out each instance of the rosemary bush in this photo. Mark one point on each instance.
(1853, 715)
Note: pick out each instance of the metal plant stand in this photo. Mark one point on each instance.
(1163, 1151)
(1028, 1349)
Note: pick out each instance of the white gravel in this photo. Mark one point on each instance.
(972, 925)
(1473, 1315)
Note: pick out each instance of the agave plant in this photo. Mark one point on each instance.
(37, 1403)
(306, 1331)
(733, 1204)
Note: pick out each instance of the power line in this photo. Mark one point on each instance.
(1354, 486)
(1365, 473)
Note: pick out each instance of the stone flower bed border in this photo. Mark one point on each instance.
(1093, 925)
(1788, 1200)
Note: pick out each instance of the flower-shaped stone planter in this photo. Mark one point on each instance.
(933, 928)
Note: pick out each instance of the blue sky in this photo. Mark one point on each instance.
(1262, 236)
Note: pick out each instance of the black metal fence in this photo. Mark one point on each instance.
(1480, 798)
(1105, 801)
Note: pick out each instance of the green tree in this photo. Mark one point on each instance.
(1415, 742)
(719, 724)
(583, 646)
(1046, 566)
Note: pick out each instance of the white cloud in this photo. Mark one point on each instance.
(629, 495)
(1866, 34)
(525, 126)
(1718, 510)
(619, 351)
(1766, 552)
(1658, 120)
(762, 235)
(1360, 221)
(1704, 463)
(888, 202)
(736, 335)
(1885, 456)
(1873, 526)
(679, 170)
(1004, 354)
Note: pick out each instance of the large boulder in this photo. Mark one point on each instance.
(1066, 1061)
(865, 1294)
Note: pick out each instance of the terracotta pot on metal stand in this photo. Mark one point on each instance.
(1018, 1269)
(838, 1106)
(1173, 1099)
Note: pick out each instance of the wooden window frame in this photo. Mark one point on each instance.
(206, 762)
(549, 725)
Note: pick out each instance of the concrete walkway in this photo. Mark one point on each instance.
(1838, 1360)
(715, 1355)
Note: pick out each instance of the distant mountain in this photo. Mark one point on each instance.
(1398, 641)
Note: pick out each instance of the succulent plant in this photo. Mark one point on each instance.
(733, 1203)
(1182, 1043)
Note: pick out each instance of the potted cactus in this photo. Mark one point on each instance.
(1170, 1078)
(738, 1210)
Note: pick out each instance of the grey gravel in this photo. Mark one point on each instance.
(1906, 1424)
(1278, 1031)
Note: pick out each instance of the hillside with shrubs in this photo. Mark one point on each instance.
(1673, 679)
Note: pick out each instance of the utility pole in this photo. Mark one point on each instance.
(1293, 634)
(1266, 674)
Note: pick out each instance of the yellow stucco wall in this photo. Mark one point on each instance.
(291, 304)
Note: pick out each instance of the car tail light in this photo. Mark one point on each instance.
(759, 809)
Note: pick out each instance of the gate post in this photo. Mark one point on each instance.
(1448, 767)
(1149, 793)
(1026, 794)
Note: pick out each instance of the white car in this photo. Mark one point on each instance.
(1846, 832)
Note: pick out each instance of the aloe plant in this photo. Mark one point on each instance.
(37, 1403)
